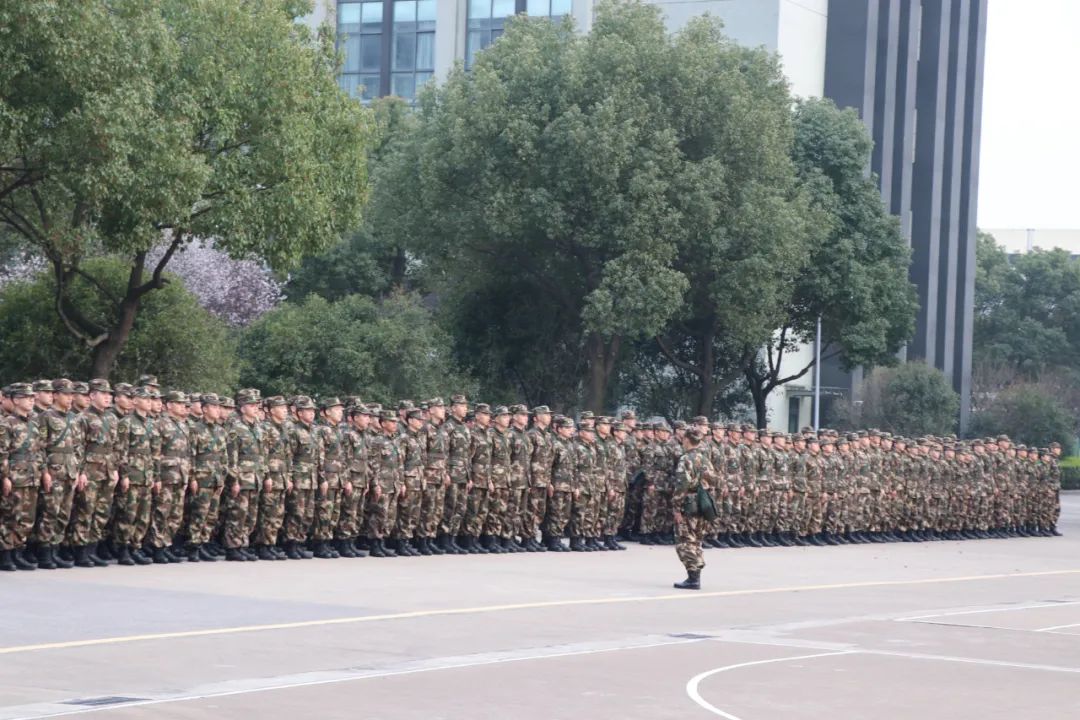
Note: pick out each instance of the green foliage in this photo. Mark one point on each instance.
(173, 337)
(355, 346)
(913, 399)
(1028, 415)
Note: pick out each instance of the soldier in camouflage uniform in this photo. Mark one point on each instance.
(694, 470)
(459, 445)
(305, 452)
(618, 473)
(564, 483)
(140, 448)
(411, 448)
(352, 505)
(331, 471)
(246, 466)
(98, 428)
(518, 505)
(387, 483)
(276, 482)
(174, 473)
(436, 445)
(209, 444)
(541, 449)
(63, 444)
(476, 511)
(496, 533)
(586, 473)
(23, 463)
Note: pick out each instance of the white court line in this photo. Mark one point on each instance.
(1009, 608)
(1058, 627)
(692, 686)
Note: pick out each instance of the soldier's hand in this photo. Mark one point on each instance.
(156, 487)
(551, 491)
(577, 494)
(288, 486)
(268, 485)
(378, 492)
(347, 489)
(7, 486)
(324, 489)
(234, 490)
(491, 487)
(193, 486)
(115, 475)
(82, 482)
(468, 486)
(446, 482)
(46, 481)
(125, 483)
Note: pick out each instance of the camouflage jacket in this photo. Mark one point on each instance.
(209, 442)
(458, 450)
(693, 470)
(21, 451)
(101, 453)
(140, 445)
(306, 455)
(541, 456)
(480, 455)
(247, 453)
(176, 450)
(587, 469)
(278, 453)
(411, 447)
(61, 437)
(519, 459)
(333, 454)
(436, 441)
(357, 443)
(563, 464)
(501, 456)
(385, 454)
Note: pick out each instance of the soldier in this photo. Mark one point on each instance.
(140, 450)
(81, 400)
(61, 435)
(22, 456)
(332, 479)
(352, 505)
(98, 428)
(246, 461)
(411, 490)
(541, 449)
(436, 446)
(305, 451)
(587, 485)
(564, 483)
(694, 471)
(476, 511)
(387, 483)
(617, 487)
(518, 506)
(209, 444)
(167, 503)
(459, 448)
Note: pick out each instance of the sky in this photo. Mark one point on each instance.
(1030, 160)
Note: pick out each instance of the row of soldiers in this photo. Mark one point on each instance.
(92, 473)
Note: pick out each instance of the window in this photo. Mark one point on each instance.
(487, 18)
(360, 35)
(794, 410)
(413, 56)
(548, 8)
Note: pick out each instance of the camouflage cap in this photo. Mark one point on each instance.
(586, 415)
(841, 441)
(405, 405)
(123, 389)
(276, 401)
(303, 402)
(414, 414)
(375, 408)
(154, 392)
(459, 400)
(248, 396)
(482, 408)
(603, 420)
(99, 385)
(20, 390)
(148, 381)
(541, 410)
(499, 410)
(210, 399)
(564, 422)
(628, 414)
(619, 427)
(328, 402)
(680, 424)
(227, 402)
(694, 434)
(388, 416)
(142, 392)
(777, 435)
(1055, 445)
(661, 426)
(176, 396)
(80, 388)
(1003, 438)
(43, 386)
(699, 420)
(436, 402)
(519, 410)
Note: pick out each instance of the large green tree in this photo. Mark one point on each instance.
(913, 399)
(559, 191)
(125, 124)
(173, 337)
(853, 275)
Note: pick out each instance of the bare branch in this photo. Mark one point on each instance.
(688, 367)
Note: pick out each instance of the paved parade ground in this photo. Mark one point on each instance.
(978, 629)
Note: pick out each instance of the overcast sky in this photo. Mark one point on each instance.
(1030, 173)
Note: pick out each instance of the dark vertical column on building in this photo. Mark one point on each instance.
(904, 147)
(969, 193)
(888, 49)
(850, 55)
(927, 188)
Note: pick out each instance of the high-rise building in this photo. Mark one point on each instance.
(913, 70)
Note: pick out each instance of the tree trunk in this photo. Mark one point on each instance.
(106, 353)
(707, 394)
(601, 355)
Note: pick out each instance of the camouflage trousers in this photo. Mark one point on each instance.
(166, 514)
(408, 512)
(202, 514)
(476, 510)
(688, 543)
(240, 516)
(17, 510)
(656, 512)
(516, 510)
(498, 504)
(632, 515)
(582, 512)
(104, 512)
(80, 529)
(454, 506)
(132, 515)
(381, 512)
(558, 513)
(536, 511)
(327, 509)
(613, 513)
(779, 512)
(54, 509)
(270, 516)
(299, 514)
(350, 513)
(432, 503)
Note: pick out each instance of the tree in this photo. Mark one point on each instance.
(354, 346)
(124, 124)
(1029, 415)
(173, 336)
(913, 399)
(855, 276)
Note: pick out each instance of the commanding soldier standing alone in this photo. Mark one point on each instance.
(693, 471)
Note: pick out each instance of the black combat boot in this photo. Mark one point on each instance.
(692, 581)
(193, 553)
(554, 544)
(234, 555)
(735, 540)
(140, 557)
(44, 558)
(103, 551)
(435, 547)
(376, 550)
(646, 539)
(7, 564)
(159, 556)
(263, 553)
(62, 563)
(82, 557)
(92, 555)
(424, 546)
(123, 556)
(576, 545)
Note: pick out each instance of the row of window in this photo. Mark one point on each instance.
(374, 67)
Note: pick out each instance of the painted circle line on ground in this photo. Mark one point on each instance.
(15, 649)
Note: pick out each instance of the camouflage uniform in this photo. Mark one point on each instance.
(436, 445)
(694, 469)
(585, 472)
(541, 445)
(498, 525)
(140, 445)
(247, 460)
(332, 467)
(352, 506)
(305, 452)
(411, 448)
(210, 445)
(61, 435)
(564, 483)
(271, 511)
(476, 511)
(100, 454)
(22, 453)
(167, 505)
(459, 444)
(518, 506)
(387, 480)
(616, 476)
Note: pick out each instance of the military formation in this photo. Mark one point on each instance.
(94, 474)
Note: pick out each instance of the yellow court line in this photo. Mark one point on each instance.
(517, 606)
